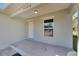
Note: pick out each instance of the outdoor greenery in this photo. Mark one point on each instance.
(75, 42)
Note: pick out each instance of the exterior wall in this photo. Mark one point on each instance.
(72, 10)
(26, 30)
(62, 29)
(11, 30)
(78, 28)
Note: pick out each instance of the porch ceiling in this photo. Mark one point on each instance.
(25, 11)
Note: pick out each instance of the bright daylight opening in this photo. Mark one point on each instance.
(3, 5)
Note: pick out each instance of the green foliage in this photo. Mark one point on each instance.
(75, 42)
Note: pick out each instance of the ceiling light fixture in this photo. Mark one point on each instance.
(35, 11)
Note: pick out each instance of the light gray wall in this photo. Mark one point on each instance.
(11, 30)
(78, 30)
(26, 30)
(62, 29)
(72, 10)
(78, 34)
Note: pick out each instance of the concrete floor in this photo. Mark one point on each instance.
(34, 48)
(7, 51)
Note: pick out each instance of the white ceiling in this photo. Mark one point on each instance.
(42, 9)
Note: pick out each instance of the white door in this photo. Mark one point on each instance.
(30, 30)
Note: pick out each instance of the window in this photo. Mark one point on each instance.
(48, 27)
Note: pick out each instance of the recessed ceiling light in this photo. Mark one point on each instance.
(35, 11)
